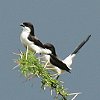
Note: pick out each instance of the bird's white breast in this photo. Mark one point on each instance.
(24, 38)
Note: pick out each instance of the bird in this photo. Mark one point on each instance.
(59, 66)
(53, 62)
(30, 41)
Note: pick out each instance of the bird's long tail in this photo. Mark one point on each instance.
(81, 45)
(68, 60)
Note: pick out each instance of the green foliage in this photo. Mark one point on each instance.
(31, 67)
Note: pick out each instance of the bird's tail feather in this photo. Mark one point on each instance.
(81, 45)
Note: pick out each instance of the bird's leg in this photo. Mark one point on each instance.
(46, 64)
(26, 52)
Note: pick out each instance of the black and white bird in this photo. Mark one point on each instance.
(53, 62)
(58, 65)
(30, 41)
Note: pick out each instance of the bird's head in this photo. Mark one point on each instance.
(28, 27)
(51, 48)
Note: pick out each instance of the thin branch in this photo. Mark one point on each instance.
(75, 95)
(30, 66)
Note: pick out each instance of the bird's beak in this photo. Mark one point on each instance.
(22, 25)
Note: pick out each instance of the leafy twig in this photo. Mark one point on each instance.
(32, 66)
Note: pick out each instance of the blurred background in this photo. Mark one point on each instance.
(65, 23)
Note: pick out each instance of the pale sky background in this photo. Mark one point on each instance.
(64, 23)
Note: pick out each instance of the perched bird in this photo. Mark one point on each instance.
(60, 66)
(30, 41)
(53, 62)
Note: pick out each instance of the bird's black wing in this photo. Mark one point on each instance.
(56, 62)
(35, 41)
